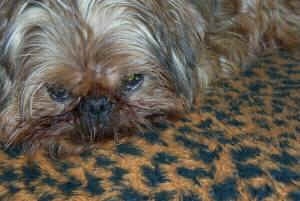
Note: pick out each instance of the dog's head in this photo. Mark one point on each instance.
(95, 67)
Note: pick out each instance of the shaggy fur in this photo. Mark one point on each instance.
(92, 48)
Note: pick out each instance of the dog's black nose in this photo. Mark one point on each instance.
(97, 108)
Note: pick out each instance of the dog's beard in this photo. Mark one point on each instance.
(95, 68)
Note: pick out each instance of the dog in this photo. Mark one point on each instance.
(84, 69)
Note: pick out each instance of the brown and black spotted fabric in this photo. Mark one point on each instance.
(243, 143)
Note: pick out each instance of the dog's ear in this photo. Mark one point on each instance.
(178, 33)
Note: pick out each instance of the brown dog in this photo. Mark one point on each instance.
(96, 67)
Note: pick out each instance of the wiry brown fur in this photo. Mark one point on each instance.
(90, 46)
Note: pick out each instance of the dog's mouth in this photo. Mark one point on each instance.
(87, 130)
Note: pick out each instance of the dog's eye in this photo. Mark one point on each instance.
(133, 82)
(58, 94)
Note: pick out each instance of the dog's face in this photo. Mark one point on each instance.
(97, 67)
